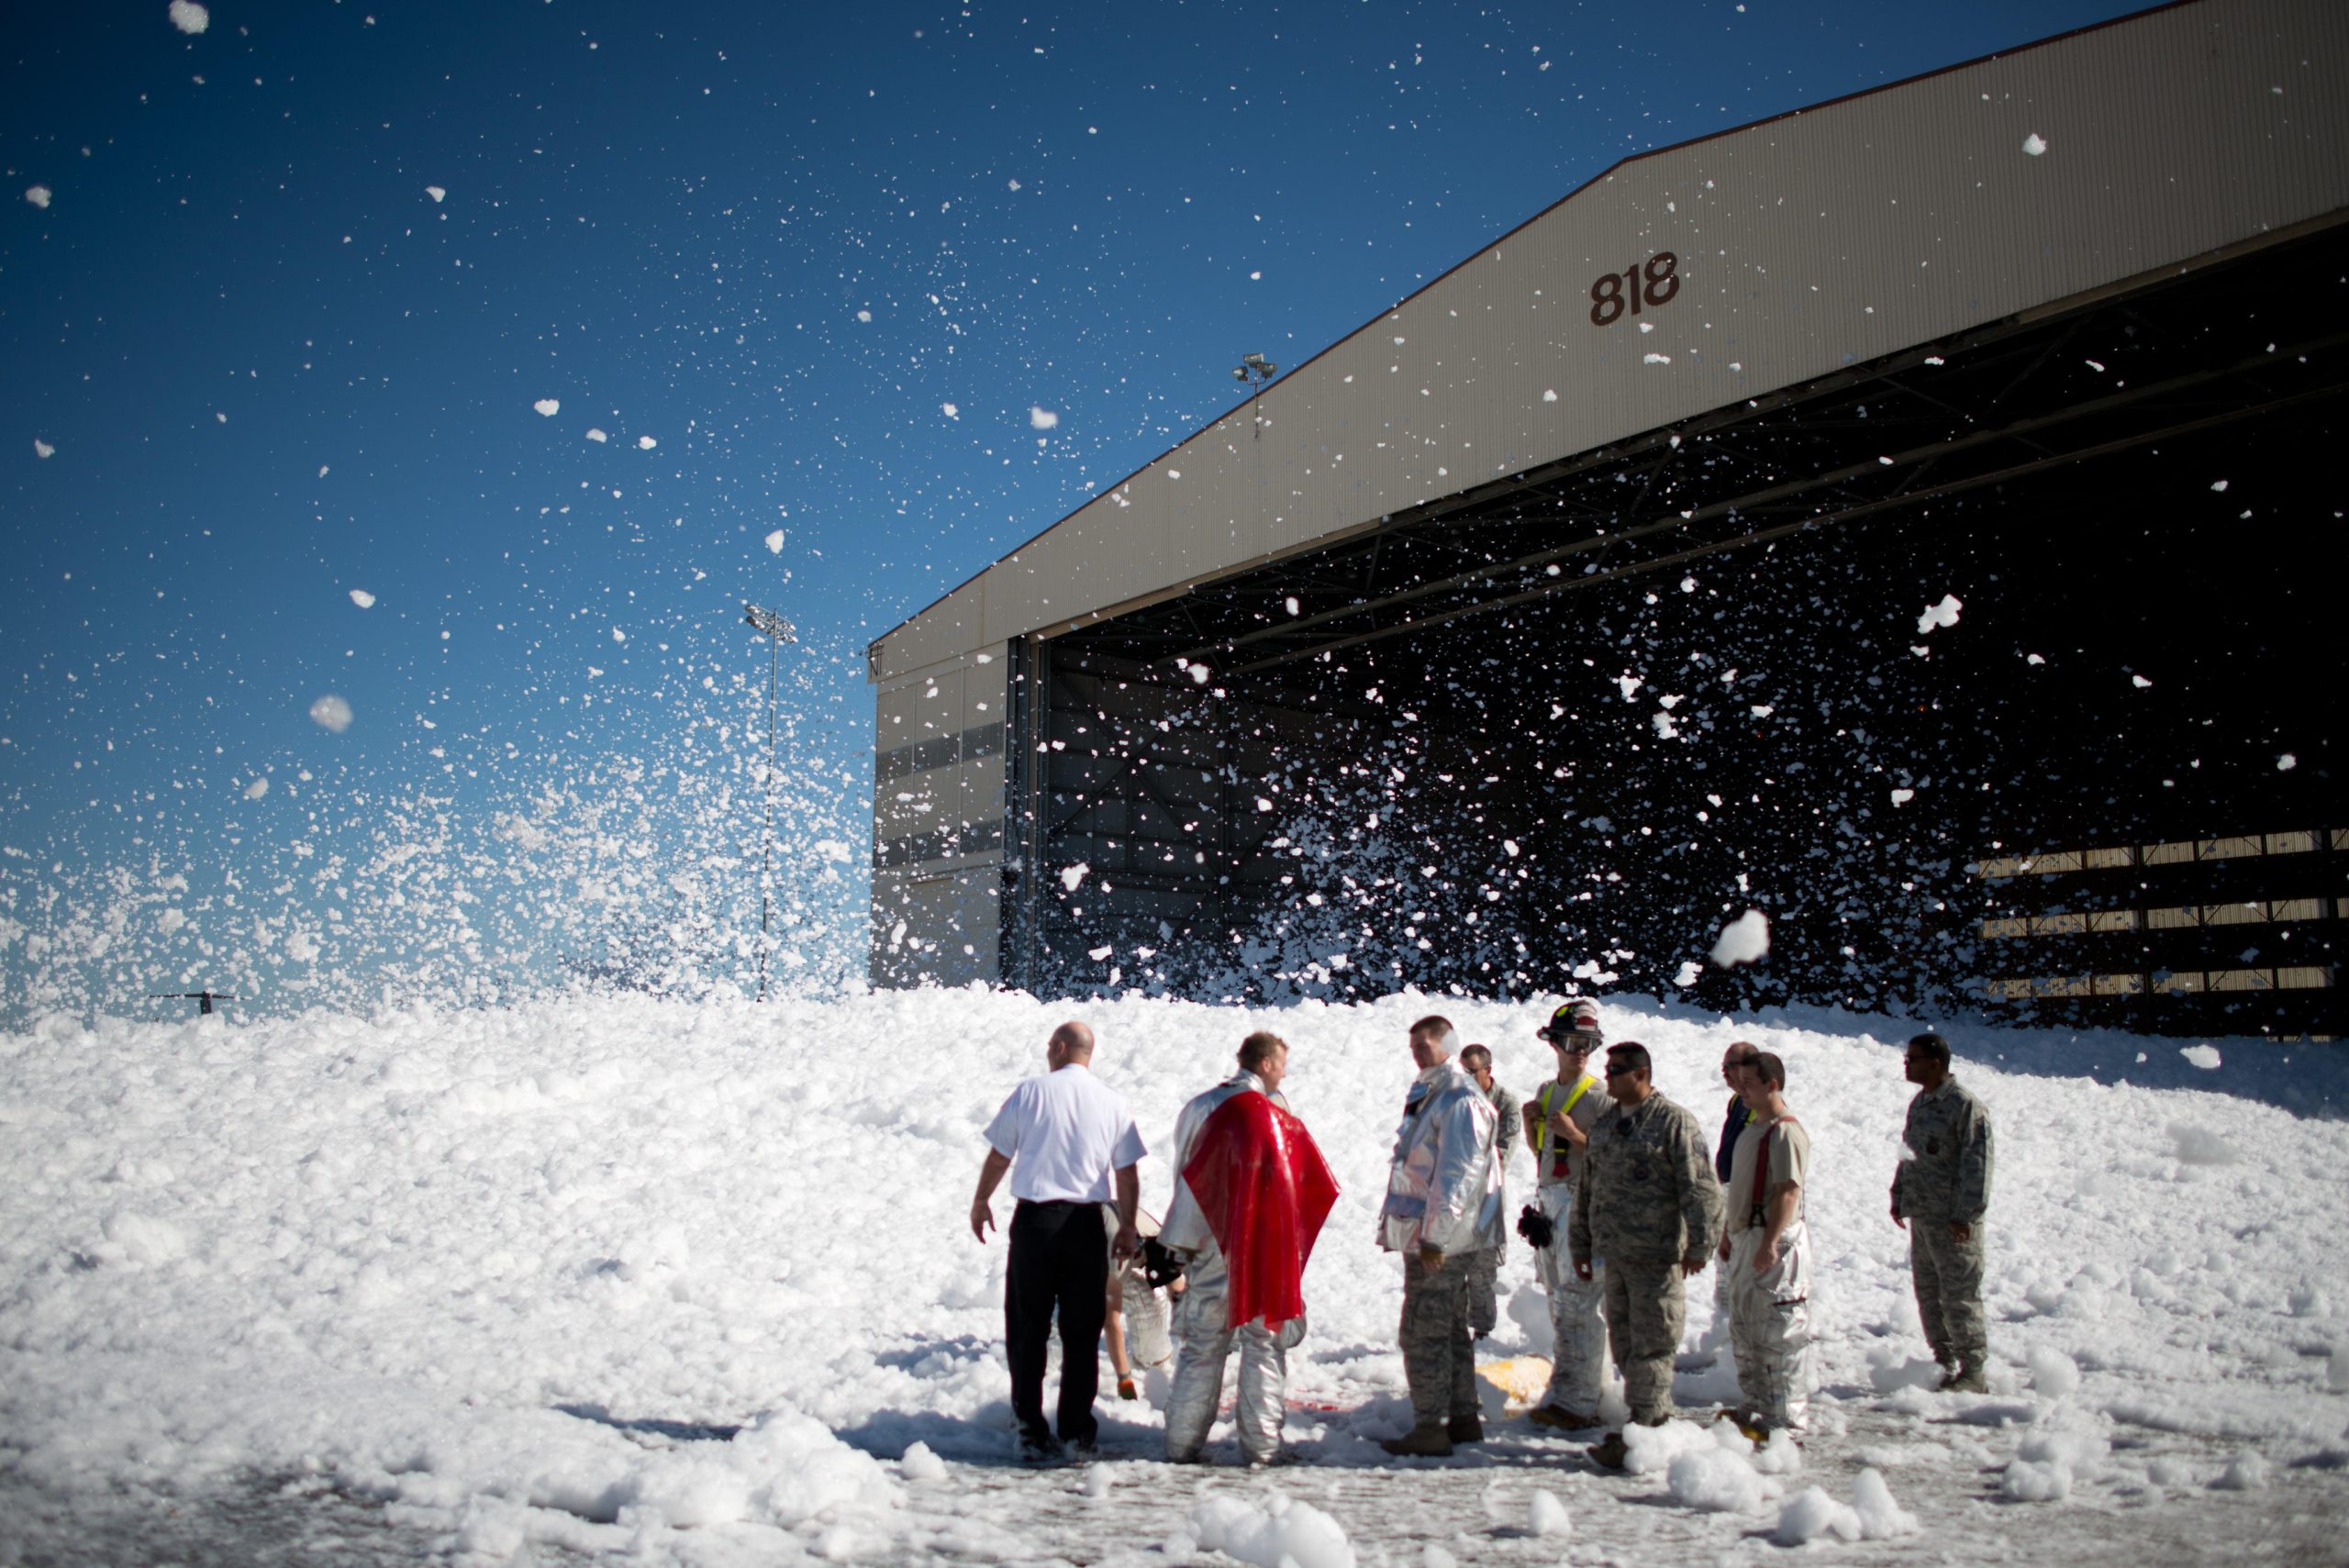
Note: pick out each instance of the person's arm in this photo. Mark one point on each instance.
(1720, 1250)
(1530, 1115)
(1578, 1227)
(1778, 1213)
(1899, 1170)
(1129, 1240)
(1700, 1193)
(1973, 1171)
(990, 1177)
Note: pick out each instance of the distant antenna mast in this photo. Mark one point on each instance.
(1256, 371)
(203, 1000)
(778, 632)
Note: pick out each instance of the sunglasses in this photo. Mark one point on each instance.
(1621, 1071)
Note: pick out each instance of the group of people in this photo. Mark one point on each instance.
(1629, 1202)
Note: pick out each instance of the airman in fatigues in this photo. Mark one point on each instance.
(1944, 1185)
(1651, 1208)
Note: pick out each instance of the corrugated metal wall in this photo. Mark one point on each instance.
(1796, 246)
(937, 821)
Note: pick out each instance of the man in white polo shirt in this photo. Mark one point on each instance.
(1067, 1130)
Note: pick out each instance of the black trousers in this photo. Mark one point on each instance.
(1059, 1259)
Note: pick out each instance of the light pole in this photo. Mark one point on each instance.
(778, 632)
(1254, 371)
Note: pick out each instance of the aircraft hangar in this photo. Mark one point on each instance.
(1907, 517)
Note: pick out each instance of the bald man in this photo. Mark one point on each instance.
(1060, 1135)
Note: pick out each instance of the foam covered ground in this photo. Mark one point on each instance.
(511, 1273)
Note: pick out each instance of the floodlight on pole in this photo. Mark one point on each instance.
(1254, 371)
(778, 632)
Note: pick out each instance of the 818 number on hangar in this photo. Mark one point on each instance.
(1654, 283)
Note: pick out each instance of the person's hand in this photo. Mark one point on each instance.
(1694, 1265)
(1127, 1243)
(1125, 1389)
(982, 1216)
(1765, 1257)
(1582, 1268)
(1567, 1127)
(1432, 1259)
(1721, 1252)
(1960, 1231)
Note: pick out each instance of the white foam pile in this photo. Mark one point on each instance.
(1284, 1532)
(472, 1261)
(1871, 1515)
(1716, 1469)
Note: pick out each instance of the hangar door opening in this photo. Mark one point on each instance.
(1996, 673)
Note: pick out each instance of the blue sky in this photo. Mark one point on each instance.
(894, 286)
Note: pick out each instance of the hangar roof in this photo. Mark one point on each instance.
(1758, 259)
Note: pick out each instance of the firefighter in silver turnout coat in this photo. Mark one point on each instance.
(1444, 1205)
(1201, 1311)
(1444, 1185)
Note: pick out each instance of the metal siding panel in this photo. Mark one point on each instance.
(940, 918)
(946, 629)
(987, 682)
(898, 719)
(1836, 235)
(1100, 556)
(955, 796)
(924, 709)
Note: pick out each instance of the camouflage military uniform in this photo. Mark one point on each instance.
(1943, 1178)
(1439, 1363)
(1484, 1266)
(1648, 1200)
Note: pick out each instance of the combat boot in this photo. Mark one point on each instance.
(1559, 1420)
(1968, 1380)
(1610, 1451)
(1466, 1428)
(1421, 1442)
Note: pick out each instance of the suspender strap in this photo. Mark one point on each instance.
(1762, 1166)
(1541, 1102)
